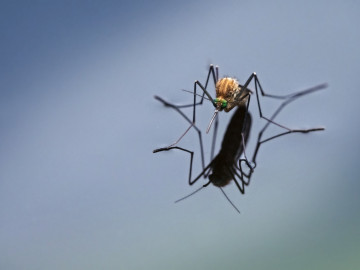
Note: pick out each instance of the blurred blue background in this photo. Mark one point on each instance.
(79, 185)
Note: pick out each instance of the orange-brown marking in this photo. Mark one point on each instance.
(229, 89)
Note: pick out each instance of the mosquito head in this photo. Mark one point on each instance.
(230, 93)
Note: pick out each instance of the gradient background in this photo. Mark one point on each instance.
(79, 185)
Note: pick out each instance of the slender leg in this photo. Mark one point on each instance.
(192, 124)
(214, 74)
(226, 196)
(244, 174)
(234, 173)
(245, 133)
(191, 182)
(245, 160)
(194, 104)
(288, 98)
(216, 124)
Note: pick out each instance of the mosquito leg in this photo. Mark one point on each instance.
(191, 182)
(182, 149)
(243, 173)
(245, 133)
(216, 124)
(241, 188)
(260, 141)
(292, 98)
(295, 94)
(251, 167)
(288, 98)
(189, 195)
(204, 172)
(226, 196)
(192, 193)
(192, 123)
(214, 74)
(208, 183)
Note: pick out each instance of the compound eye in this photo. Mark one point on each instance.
(222, 101)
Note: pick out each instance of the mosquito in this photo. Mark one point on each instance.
(227, 165)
